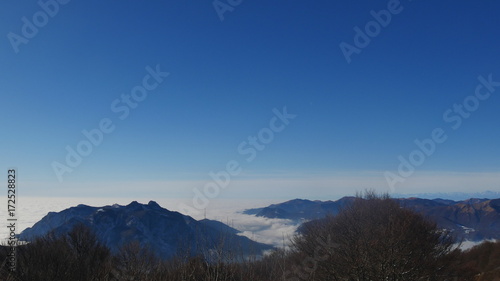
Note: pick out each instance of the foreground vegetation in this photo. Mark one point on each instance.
(372, 239)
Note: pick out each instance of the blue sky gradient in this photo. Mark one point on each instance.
(226, 77)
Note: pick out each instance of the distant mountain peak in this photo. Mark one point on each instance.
(134, 204)
(154, 205)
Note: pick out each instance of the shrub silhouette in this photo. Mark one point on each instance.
(373, 239)
(75, 256)
(484, 260)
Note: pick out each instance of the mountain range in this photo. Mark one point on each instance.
(455, 196)
(165, 232)
(472, 219)
(170, 233)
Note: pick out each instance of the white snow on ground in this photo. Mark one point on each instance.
(469, 244)
(466, 229)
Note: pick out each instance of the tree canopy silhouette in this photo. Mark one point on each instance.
(373, 239)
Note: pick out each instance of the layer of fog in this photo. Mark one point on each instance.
(276, 232)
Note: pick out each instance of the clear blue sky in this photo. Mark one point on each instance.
(353, 119)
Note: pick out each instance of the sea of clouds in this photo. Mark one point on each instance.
(229, 211)
(277, 232)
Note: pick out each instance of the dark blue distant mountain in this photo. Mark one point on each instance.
(452, 196)
(472, 219)
(165, 232)
(300, 209)
(217, 225)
